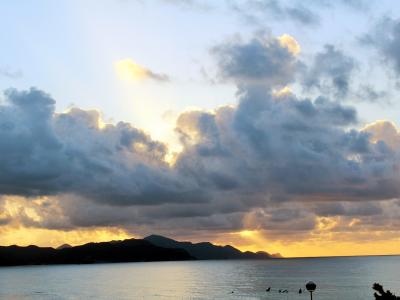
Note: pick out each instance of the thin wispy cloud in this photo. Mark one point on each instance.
(9, 73)
(129, 70)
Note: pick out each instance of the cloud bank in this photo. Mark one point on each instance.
(274, 162)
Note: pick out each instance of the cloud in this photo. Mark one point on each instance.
(45, 153)
(271, 163)
(258, 13)
(290, 43)
(369, 94)
(331, 70)
(349, 209)
(357, 5)
(254, 11)
(129, 70)
(303, 13)
(192, 4)
(262, 59)
(272, 143)
(384, 37)
(384, 131)
(276, 162)
(12, 74)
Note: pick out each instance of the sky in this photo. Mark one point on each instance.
(264, 124)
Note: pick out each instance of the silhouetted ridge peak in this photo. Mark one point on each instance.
(152, 248)
(131, 250)
(206, 250)
(63, 246)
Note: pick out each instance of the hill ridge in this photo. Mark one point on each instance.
(207, 250)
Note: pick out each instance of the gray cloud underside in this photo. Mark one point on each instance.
(271, 162)
(260, 60)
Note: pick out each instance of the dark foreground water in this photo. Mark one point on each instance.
(345, 278)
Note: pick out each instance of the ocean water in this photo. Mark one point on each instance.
(345, 278)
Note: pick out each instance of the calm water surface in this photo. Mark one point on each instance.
(345, 278)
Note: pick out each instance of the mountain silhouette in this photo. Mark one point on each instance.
(206, 250)
(151, 248)
(63, 246)
(131, 250)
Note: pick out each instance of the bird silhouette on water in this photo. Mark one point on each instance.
(280, 291)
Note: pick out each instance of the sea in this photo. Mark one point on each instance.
(341, 278)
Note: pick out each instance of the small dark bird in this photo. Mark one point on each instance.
(268, 289)
(280, 291)
(300, 291)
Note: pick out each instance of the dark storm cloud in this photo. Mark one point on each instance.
(348, 209)
(331, 70)
(293, 147)
(44, 153)
(261, 59)
(270, 162)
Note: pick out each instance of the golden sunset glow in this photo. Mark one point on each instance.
(24, 236)
(317, 244)
(127, 69)
(290, 43)
(321, 242)
(283, 92)
(200, 149)
(383, 130)
(242, 124)
(33, 211)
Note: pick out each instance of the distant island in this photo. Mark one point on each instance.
(151, 248)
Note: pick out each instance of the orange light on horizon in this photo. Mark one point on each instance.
(323, 243)
(23, 236)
